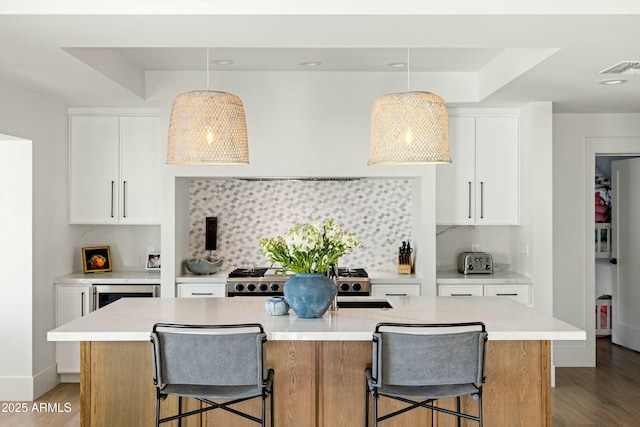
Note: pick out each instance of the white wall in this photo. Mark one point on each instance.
(16, 313)
(534, 245)
(32, 117)
(569, 238)
(56, 244)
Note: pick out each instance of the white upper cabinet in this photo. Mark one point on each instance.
(455, 182)
(481, 185)
(497, 170)
(114, 168)
(140, 162)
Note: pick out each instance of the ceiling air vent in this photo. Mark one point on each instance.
(625, 67)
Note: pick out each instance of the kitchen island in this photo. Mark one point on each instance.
(319, 363)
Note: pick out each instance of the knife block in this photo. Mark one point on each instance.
(405, 268)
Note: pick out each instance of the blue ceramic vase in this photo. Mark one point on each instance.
(309, 294)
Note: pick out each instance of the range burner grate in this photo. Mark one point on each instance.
(352, 272)
(248, 272)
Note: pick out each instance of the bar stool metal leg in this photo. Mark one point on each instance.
(366, 404)
(272, 389)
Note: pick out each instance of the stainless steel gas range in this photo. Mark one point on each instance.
(243, 282)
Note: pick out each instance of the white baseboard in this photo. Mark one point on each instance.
(569, 354)
(45, 381)
(27, 389)
(69, 378)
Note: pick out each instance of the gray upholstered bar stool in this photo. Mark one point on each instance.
(420, 363)
(211, 362)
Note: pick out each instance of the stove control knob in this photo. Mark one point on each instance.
(263, 287)
(251, 287)
(344, 287)
(275, 287)
(239, 287)
(357, 287)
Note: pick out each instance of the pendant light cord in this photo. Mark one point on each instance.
(207, 68)
(408, 71)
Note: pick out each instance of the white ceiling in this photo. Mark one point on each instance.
(100, 59)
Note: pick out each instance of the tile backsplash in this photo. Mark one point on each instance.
(378, 210)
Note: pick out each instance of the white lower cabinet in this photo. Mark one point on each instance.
(72, 302)
(517, 292)
(202, 290)
(393, 290)
(460, 291)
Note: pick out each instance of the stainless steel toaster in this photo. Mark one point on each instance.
(475, 263)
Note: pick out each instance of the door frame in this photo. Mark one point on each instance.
(597, 146)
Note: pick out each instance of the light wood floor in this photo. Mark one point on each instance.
(59, 407)
(606, 396)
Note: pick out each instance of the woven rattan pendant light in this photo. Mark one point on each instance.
(409, 128)
(207, 128)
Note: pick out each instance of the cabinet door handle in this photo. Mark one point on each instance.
(507, 295)
(201, 293)
(460, 295)
(82, 304)
(469, 199)
(124, 199)
(112, 195)
(481, 199)
(396, 295)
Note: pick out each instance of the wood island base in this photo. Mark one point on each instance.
(316, 384)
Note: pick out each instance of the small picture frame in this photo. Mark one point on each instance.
(153, 261)
(96, 259)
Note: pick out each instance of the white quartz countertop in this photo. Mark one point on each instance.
(376, 277)
(390, 277)
(498, 277)
(112, 277)
(219, 277)
(131, 319)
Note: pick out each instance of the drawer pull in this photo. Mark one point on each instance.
(461, 295)
(201, 293)
(396, 295)
(507, 295)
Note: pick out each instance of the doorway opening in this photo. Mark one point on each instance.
(600, 273)
(604, 261)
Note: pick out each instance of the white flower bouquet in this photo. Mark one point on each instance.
(309, 248)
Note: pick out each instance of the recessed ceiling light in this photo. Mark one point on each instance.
(222, 61)
(612, 82)
(397, 64)
(311, 63)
